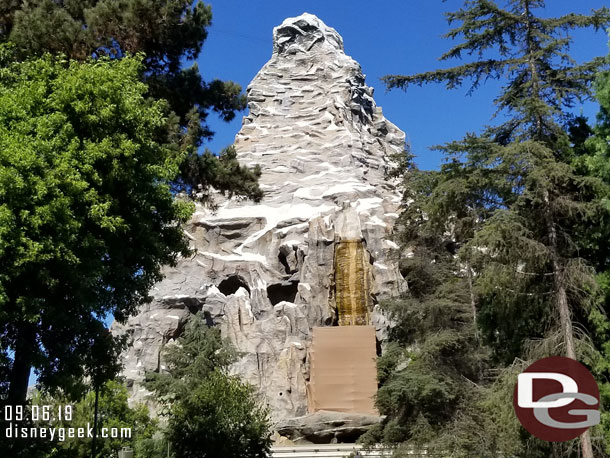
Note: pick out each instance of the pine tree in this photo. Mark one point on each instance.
(431, 371)
(529, 53)
(168, 33)
(531, 282)
(593, 157)
(209, 412)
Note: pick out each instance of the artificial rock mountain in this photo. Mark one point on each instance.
(317, 251)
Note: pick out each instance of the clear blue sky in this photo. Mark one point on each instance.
(385, 37)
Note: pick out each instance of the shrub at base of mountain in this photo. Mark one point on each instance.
(209, 412)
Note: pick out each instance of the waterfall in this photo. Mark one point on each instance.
(352, 285)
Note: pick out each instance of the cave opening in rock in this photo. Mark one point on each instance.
(285, 291)
(231, 284)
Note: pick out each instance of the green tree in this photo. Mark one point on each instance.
(87, 217)
(113, 412)
(593, 158)
(526, 206)
(430, 372)
(597, 154)
(168, 33)
(209, 413)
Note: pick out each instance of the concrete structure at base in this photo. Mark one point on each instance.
(317, 251)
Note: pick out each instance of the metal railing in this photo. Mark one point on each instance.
(331, 451)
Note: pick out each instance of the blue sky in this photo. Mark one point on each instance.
(385, 37)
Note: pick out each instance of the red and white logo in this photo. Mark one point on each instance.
(556, 399)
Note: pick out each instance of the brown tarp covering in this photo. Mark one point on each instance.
(343, 375)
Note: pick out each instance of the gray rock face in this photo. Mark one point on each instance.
(324, 427)
(264, 272)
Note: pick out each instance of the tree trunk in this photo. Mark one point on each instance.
(473, 303)
(97, 399)
(531, 61)
(561, 296)
(585, 445)
(22, 363)
(565, 319)
(565, 315)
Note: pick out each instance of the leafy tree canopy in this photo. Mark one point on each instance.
(512, 195)
(87, 216)
(113, 412)
(168, 33)
(594, 159)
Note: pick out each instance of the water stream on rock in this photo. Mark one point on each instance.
(352, 286)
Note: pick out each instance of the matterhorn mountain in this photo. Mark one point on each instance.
(317, 251)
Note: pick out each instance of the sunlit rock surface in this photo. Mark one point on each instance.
(266, 273)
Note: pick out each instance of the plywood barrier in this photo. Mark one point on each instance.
(343, 375)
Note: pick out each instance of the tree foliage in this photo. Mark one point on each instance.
(113, 412)
(87, 216)
(515, 210)
(529, 52)
(209, 412)
(594, 158)
(168, 33)
(429, 373)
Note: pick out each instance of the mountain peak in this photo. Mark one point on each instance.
(303, 33)
(313, 125)
(317, 250)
